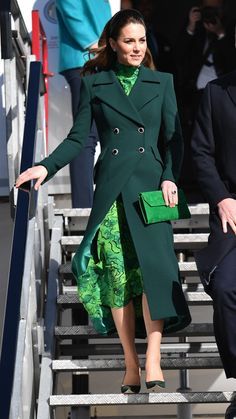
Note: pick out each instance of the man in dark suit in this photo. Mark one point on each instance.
(214, 155)
(204, 51)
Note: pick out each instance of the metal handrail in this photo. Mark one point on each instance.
(5, 27)
(25, 209)
(9, 8)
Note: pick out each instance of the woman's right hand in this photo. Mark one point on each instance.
(36, 172)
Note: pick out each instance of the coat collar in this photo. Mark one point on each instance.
(143, 92)
(232, 93)
(228, 83)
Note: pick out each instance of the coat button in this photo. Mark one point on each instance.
(116, 130)
(115, 151)
(141, 149)
(141, 130)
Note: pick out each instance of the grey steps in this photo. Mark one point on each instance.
(73, 212)
(76, 219)
(186, 269)
(111, 349)
(71, 300)
(79, 332)
(181, 241)
(198, 209)
(189, 287)
(142, 398)
(190, 240)
(119, 364)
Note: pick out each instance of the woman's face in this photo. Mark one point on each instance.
(131, 44)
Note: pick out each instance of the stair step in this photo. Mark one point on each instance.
(190, 240)
(79, 332)
(192, 287)
(76, 219)
(71, 300)
(197, 209)
(73, 212)
(119, 364)
(186, 269)
(181, 241)
(142, 398)
(111, 349)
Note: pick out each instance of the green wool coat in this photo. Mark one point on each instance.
(129, 163)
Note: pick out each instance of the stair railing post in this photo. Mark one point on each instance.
(184, 411)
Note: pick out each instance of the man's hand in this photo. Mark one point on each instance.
(216, 28)
(170, 193)
(194, 17)
(227, 213)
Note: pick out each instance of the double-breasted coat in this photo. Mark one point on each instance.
(130, 163)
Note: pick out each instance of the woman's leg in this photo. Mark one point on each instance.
(124, 318)
(154, 330)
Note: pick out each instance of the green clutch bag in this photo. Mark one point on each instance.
(154, 209)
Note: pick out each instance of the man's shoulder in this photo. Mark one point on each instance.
(224, 81)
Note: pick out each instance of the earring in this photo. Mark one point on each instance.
(114, 50)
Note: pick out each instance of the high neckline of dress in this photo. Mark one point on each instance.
(126, 70)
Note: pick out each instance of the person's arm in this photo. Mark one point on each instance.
(79, 26)
(173, 144)
(186, 37)
(203, 148)
(172, 133)
(68, 149)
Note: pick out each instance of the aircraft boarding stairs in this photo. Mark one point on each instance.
(38, 303)
(75, 348)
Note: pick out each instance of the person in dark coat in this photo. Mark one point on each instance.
(214, 155)
(127, 271)
(160, 47)
(204, 51)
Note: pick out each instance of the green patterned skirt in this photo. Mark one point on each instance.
(113, 277)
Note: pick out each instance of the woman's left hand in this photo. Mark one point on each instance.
(170, 193)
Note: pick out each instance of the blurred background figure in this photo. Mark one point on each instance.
(204, 51)
(127, 4)
(158, 44)
(80, 24)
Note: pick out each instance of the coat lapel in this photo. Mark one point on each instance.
(108, 89)
(232, 93)
(231, 88)
(129, 106)
(145, 89)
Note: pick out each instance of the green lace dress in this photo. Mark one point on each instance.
(113, 276)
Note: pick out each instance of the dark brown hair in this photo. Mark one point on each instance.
(105, 58)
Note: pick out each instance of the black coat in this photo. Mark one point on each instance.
(214, 155)
(190, 57)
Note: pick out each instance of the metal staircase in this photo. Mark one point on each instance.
(66, 346)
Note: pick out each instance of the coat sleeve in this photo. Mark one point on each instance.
(79, 25)
(172, 133)
(203, 148)
(76, 138)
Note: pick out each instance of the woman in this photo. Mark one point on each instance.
(126, 271)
